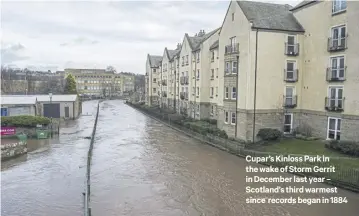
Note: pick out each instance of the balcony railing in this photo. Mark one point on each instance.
(337, 44)
(164, 82)
(182, 95)
(336, 74)
(234, 70)
(231, 49)
(212, 77)
(186, 80)
(186, 95)
(291, 75)
(291, 49)
(182, 80)
(334, 104)
(289, 101)
(164, 94)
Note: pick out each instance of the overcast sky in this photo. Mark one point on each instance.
(90, 34)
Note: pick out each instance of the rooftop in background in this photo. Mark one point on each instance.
(31, 99)
(155, 61)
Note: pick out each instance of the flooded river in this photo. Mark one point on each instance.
(140, 168)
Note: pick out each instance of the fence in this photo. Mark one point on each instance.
(87, 193)
(345, 176)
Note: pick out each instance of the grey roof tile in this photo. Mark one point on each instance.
(214, 45)
(270, 16)
(196, 41)
(155, 61)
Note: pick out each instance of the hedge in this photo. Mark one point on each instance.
(269, 134)
(24, 121)
(346, 147)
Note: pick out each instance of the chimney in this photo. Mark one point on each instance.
(178, 45)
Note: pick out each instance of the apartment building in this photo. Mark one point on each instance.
(153, 73)
(100, 82)
(172, 79)
(274, 66)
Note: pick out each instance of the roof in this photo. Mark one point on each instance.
(270, 16)
(214, 45)
(18, 100)
(155, 61)
(173, 53)
(302, 4)
(56, 98)
(196, 41)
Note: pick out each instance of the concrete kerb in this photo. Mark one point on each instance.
(242, 153)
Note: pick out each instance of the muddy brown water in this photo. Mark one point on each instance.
(141, 167)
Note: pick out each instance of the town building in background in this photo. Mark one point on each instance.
(268, 66)
(101, 82)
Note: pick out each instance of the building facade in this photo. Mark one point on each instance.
(153, 73)
(272, 66)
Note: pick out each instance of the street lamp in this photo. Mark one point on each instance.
(50, 95)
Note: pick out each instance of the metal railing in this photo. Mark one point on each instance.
(289, 101)
(291, 49)
(334, 104)
(337, 44)
(336, 74)
(291, 75)
(87, 193)
(231, 48)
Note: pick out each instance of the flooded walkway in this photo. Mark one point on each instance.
(49, 180)
(143, 168)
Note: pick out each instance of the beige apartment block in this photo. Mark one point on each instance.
(173, 80)
(153, 73)
(284, 68)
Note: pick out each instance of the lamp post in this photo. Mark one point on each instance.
(50, 95)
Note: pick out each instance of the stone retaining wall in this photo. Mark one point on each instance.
(10, 150)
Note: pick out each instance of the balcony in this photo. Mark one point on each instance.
(336, 74)
(182, 80)
(291, 49)
(164, 94)
(334, 104)
(164, 82)
(289, 101)
(182, 95)
(212, 77)
(186, 95)
(337, 44)
(231, 49)
(186, 80)
(291, 75)
(158, 82)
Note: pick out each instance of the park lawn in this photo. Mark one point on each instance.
(315, 147)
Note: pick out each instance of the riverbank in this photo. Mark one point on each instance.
(344, 177)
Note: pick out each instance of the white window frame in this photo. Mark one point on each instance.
(340, 6)
(336, 130)
(197, 73)
(285, 93)
(233, 117)
(234, 68)
(294, 69)
(226, 92)
(226, 117)
(154, 90)
(212, 91)
(339, 39)
(291, 123)
(212, 73)
(336, 98)
(228, 67)
(337, 70)
(234, 97)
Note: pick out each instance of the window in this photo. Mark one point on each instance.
(234, 67)
(198, 74)
(336, 96)
(194, 90)
(217, 72)
(338, 36)
(232, 16)
(233, 118)
(333, 131)
(186, 59)
(232, 41)
(212, 73)
(226, 117)
(4, 111)
(216, 91)
(288, 123)
(290, 70)
(85, 87)
(212, 58)
(226, 93)
(290, 44)
(234, 93)
(289, 95)
(197, 91)
(212, 109)
(182, 60)
(154, 79)
(198, 56)
(212, 91)
(228, 66)
(337, 67)
(339, 5)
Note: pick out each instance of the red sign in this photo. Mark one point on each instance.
(8, 130)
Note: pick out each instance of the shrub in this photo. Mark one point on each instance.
(211, 121)
(24, 121)
(346, 147)
(223, 134)
(304, 129)
(269, 134)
